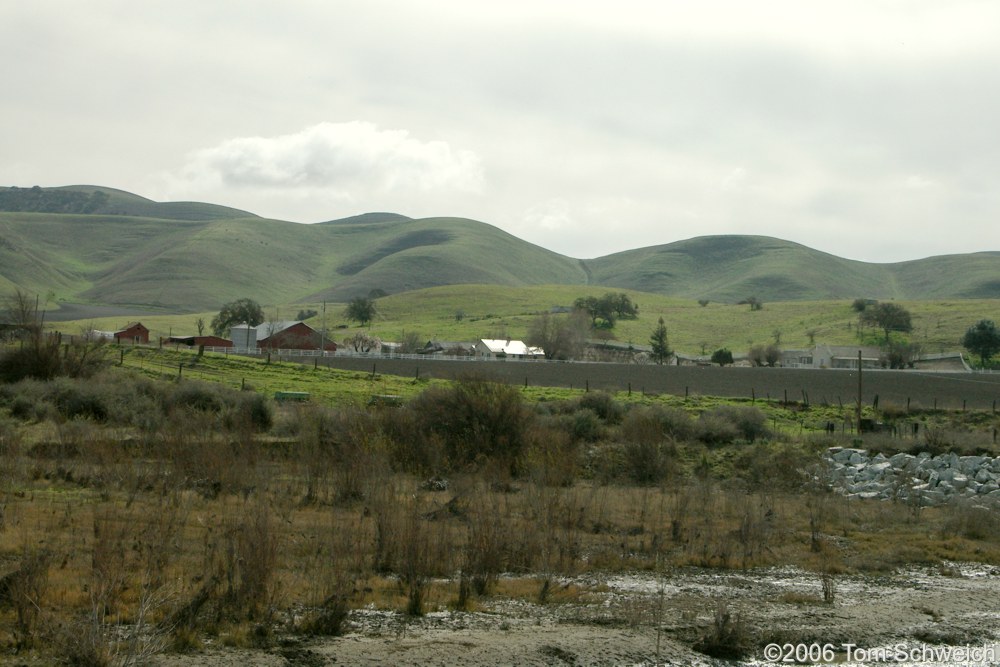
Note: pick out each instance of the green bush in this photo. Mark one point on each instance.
(197, 396)
(25, 409)
(585, 426)
(649, 462)
(715, 429)
(727, 423)
(44, 357)
(248, 409)
(604, 406)
(655, 423)
(39, 359)
(474, 418)
(76, 400)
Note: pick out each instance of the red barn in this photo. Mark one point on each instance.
(133, 333)
(198, 341)
(280, 336)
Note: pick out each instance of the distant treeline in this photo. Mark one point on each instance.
(38, 200)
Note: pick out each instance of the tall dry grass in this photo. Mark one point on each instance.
(209, 526)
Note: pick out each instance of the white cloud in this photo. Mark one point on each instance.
(346, 160)
(551, 215)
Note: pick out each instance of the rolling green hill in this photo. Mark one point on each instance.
(732, 268)
(96, 245)
(193, 257)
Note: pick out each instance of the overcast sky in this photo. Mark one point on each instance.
(866, 129)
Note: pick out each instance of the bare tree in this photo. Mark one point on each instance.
(559, 337)
(363, 342)
(21, 310)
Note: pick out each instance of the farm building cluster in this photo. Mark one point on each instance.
(299, 336)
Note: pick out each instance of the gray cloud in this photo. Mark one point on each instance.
(586, 129)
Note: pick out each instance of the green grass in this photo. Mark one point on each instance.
(184, 256)
(493, 312)
(732, 268)
(325, 386)
(329, 386)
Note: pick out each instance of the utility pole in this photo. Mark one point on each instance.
(322, 333)
(859, 393)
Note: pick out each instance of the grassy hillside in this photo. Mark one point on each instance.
(120, 202)
(114, 248)
(732, 268)
(190, 265)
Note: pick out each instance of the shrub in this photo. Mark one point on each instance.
(971, 521)
(603, 405)
(585, 425)
(727, 423)
(655, 423)
(39, 359)
(329, 620)
(728, 638)
(250, 562)
(412, 448)
(24, 590)
(196, 395)
(75, 400)
(43, 357)
(25, 409)
(10, 437)
(649, 462)
(785, 468)
(551, 457)
(715, 429)
(474, 418)
(250, 409)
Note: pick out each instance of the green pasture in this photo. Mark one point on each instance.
(470, 312)
(334, 387)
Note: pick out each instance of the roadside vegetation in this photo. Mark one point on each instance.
(163, 500)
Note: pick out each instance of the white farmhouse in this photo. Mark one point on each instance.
(498, 348)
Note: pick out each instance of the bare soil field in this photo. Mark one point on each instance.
(631, 619)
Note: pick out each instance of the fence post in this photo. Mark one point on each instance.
(180, 370)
